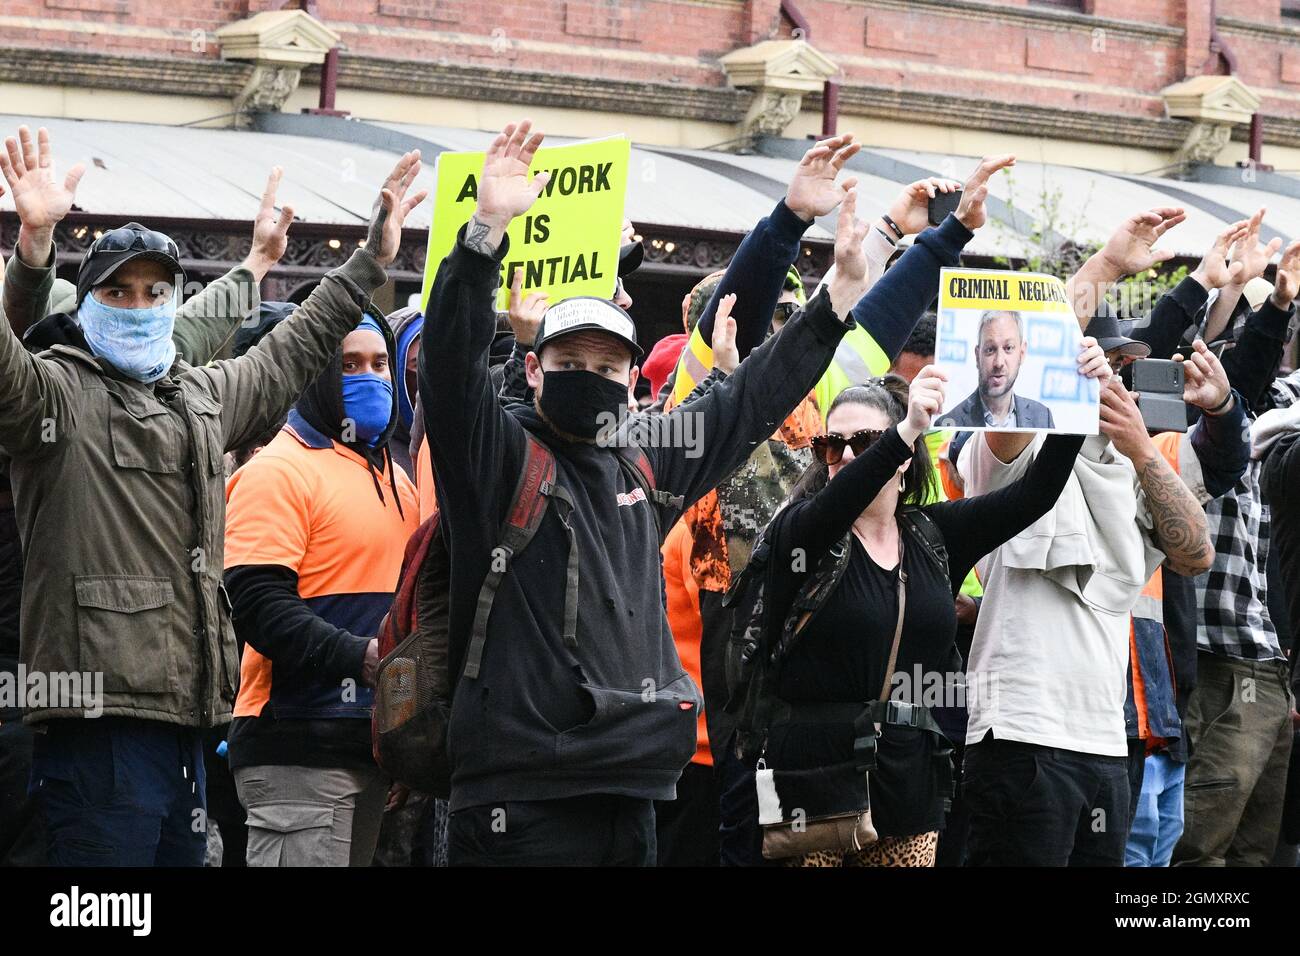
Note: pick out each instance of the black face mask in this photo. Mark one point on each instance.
(582, 403)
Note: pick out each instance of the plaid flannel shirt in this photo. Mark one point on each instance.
(1232, 595)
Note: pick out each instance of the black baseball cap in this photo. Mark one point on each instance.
(117, 247)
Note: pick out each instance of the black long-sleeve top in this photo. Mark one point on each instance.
(842, 652)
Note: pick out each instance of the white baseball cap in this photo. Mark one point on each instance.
(588, 313)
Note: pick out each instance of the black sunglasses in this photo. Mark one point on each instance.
(784, 310)
(127, 239)
(829, 448)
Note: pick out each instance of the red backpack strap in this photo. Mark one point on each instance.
(416, 550)
(535, 487)
(399, 623)
(636, 465)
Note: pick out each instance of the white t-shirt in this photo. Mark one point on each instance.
(1049, 659)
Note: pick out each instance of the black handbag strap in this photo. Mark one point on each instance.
(898, 626)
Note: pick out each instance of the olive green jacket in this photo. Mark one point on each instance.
(119, 493)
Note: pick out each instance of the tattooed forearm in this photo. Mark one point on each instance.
(478, 236)
(1180, 527)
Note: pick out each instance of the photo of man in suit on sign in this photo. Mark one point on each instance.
(999, 351)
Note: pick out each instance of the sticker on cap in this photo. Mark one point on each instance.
(576, 312)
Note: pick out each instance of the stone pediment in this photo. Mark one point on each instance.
(1215, 99)
(793, 66)
(277, 36)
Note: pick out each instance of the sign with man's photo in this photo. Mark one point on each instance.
(1009, 343)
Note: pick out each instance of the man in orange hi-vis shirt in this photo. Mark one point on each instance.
(316, 528)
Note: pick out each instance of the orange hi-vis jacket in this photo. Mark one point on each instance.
(309, 504)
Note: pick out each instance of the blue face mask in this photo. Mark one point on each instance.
(368, 404)
(138, 342)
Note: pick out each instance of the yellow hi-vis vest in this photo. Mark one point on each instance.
(858, 358)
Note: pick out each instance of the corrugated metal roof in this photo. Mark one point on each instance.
(141, 170)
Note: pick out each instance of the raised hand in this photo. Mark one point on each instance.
(849, 283)
(813, 191)
(1205, 383)
(1214, 271)
(725, 354)
(924, 401)
(504, 188)
(1286, 284)
(41, 199)
(526, 311)
(270, 230)
(1250, 253)
(1092, 361)
(1121, 422)
(384, 237)
(1129, 249)
(911, 210)
(971, 209)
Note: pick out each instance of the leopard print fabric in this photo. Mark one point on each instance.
(915, 850)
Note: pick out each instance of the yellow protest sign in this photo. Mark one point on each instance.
(567, 243)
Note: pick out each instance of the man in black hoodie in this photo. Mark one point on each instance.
(560, 742)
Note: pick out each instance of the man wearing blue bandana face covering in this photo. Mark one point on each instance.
(127, 301)
(118, 477)
(316, 526)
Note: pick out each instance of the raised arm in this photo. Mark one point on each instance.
(525, 314)
(1220, 440)
(1221, 269)
(1249, 258)
(35, 395)
(1176, 311)
(469, 434)
(209, 320)
(757, 271)
(1178, 524)
(825, 518)
(256, 389)
(1252, 364)
(747, 406)
(1128, 251)
(41, 200)
(890, 309)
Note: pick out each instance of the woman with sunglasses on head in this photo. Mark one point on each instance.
(864, 493)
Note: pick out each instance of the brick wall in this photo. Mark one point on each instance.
(1025, 58)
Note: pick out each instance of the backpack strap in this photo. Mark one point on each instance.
(536, 485)
(571, 568)
(403, 612)
(926, 533)
(636, 465)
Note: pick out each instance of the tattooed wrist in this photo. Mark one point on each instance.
(375, 234)
(479, 237)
